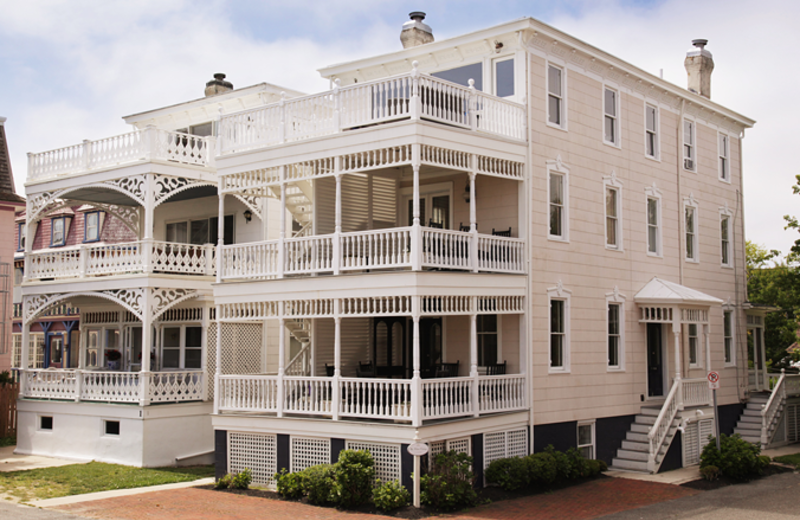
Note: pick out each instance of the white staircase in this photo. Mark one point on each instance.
(750, 422)
(635, 451)
(300, 364)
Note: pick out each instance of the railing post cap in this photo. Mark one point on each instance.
(471, 83)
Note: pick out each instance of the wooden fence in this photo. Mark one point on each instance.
(8, 409)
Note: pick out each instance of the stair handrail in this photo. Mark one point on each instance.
(769, 410)
(658, 432)
(298, 359)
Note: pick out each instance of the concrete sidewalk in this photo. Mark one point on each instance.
(9, 461)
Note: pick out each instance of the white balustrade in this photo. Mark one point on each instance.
(385, 248)
(307, 395)
(444, 101)
(254, 260)
(50, 384)
(140, 145)
(173, 387)
(376, 398)
(501, 254)
(309, 116)
(660, 429)
(110, 386)
(501, 393)
(112, 259)
(696, 392)
(792, 383)
(300, 364)
(446, 249)
(248, 393)
(171, 257)
(378, 101)
(54, 264)
(499, 117)
(308, 255)
(446, 397)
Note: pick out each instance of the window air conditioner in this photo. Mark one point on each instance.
(688, 164)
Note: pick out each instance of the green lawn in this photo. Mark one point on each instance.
(794, 459)
(77, 479)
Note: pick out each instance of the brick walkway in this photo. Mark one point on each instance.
(590, 500)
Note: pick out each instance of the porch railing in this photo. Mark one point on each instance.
(113, 386)
(660, 429)
(388, 399)
(695, 392)
(407, 96)
(380, 249)
(141, 145)
(129, 257)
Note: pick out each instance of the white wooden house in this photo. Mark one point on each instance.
(491, 243)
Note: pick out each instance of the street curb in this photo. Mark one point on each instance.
(100, 495)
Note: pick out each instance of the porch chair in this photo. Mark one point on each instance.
(437, 225)
(502, 233)
(329, 369)
(447, 369)
(497, 369)
(465, 229)
(365, 369)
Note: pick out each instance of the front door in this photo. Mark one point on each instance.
(430, 345)
(655, 361)
(55, 350)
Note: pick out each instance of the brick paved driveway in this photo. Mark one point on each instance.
(589, 500)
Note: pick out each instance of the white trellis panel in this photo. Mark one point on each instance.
(386, 457)
(499, 445)
(256, 452)
(241, 348)
(307, 452)
(211, 357)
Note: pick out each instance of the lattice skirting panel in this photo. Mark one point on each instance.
(386, 457)
(695, 437)
(499, 445)
(256, 452)
(307, 452)
(211, 357)
(241, 350)
(461, 445)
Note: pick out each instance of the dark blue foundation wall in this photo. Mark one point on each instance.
(674, 457)
(220, 453)
(562, 436)
(282, 452)
(729, 416)
(609, 432)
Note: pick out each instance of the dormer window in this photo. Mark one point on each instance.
(58, 231)
(91, 224)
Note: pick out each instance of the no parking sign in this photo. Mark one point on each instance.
(713, 380)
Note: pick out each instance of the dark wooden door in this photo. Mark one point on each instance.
(655, 361)
(430, 345)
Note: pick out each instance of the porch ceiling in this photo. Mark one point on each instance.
(662, 292)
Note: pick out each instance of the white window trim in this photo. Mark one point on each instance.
(563, 68)
(657, 142)
(690, 202)
(724, 176)
(724, 212)
(558, 167)
(594, 436)
(729, 308)
(652, 192)
(499, 335)
(693, 144)
(617, 124)
(559, 293)
(613, 182)
(619, 299)
(182, 345)
(699, 345)
(428, 191)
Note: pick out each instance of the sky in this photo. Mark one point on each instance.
(71, 69)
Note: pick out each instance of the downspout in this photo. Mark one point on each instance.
(681, 217)
(741, 389)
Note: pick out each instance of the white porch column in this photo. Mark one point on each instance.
(218, 365)
(764, 385)
(337, 250)
(25, 355)
(220, 236)
(149, 222)
(416, 233)
(473, 354)
(204, 352)
(30, 232)
(473, 219)
(337, 358)
(676, 333)
(282, 235)
(416, 384)
(281, 354)
(707, 345)
(147, 345)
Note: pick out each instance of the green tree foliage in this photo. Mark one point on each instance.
(775, 282)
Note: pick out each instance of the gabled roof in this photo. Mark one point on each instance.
(7, 191)
(668, 293)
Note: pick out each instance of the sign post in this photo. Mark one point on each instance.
(418, 449)
(713, 384)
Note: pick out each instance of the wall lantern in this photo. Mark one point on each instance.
(248, 215)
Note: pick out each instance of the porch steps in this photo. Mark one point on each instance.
(749, 424)
(635, 450)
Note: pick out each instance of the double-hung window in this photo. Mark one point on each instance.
(689, 159)
(91, 225)
(653, 226)
(611, 116)
(181, 347)
(555, 96)
(727, 335)
(487, 339)
(199, 231)
(651, 131)
(586, 440)
(559, 328)
(690, 226)
(724, 165)
(614, 335)
(725, 243)
(612, 218)
(557, 201)
(694, 354)
(58, 229)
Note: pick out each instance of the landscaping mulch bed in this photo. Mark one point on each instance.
(485, 495)
(705, 485)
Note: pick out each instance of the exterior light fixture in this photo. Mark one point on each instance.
(466, 193)
(248, 215)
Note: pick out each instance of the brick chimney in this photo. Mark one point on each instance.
(415, 32)
(699, 65)
(218, 85)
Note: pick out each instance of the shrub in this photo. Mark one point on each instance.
(736, 458)
(542, 469)
(353, 476)
(593, 467)
(241, 480)
(577, 464)
(224, 482)
(289, 485)
(317, 483)
(510, 474)
(390, 495)
(568, 465)
(710, 473)
(448, 485)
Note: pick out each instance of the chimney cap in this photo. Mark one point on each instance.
(417, 15)
(700, 43)
(218, 85)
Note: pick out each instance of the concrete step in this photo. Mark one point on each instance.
(629, 465)
(636, 446)
(640, 428)
(753, 440)
(748, 432)
(752, 412)
(646, 419)
(632, 455)
(650, 410)
(639, 437)
(748, 419)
